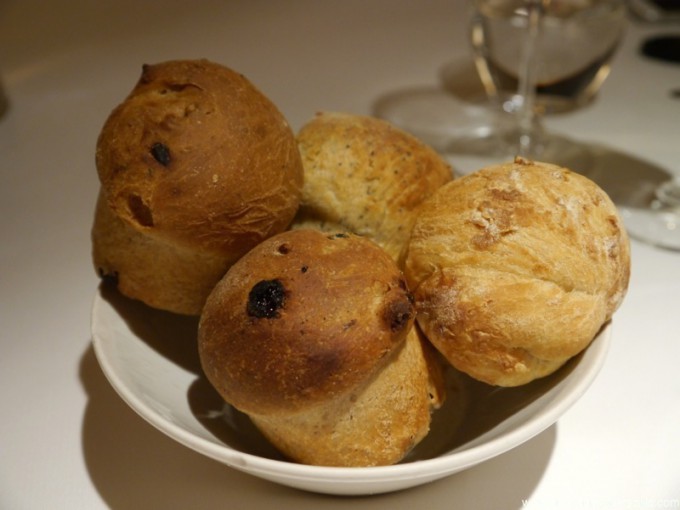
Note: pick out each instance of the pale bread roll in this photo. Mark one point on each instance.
(515, 268)
(320, 350)
(196, 166)
(366, 176)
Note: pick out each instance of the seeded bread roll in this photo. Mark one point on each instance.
(196, 166)
(319, 349)
(515, 268)
(366, 176)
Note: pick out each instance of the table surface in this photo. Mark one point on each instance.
(67, 440)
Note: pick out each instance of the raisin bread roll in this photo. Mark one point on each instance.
(319, 349)
(196, 166)
(366, 176)
(515, 268)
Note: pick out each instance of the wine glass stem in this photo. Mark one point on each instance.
(527, 120)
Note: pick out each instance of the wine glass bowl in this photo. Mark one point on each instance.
(572, 51)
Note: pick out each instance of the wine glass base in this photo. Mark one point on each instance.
(565, 152)
(659, 228)
(448, 124)
(659, 223)
(471, 134)
(647, 195)
(554, 149)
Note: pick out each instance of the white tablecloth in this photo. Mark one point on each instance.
(68, 442)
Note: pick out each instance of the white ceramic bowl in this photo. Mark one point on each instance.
(150, 359)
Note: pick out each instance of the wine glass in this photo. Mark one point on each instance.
(544, 56)
(531, 57)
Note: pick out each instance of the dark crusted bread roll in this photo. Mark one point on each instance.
(366, 176)
(312, 336)
(196, 166)
(515, 268)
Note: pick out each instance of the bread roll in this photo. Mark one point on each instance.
(515, 268)
(364, 175)
(196, 166)
(157, 271)
(319, 349)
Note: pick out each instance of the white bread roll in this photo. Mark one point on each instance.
(515, 268)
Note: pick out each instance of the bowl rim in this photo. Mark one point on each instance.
(447, 463)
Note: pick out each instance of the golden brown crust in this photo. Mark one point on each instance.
(198, 159)
(162, 274)
(515, 269)
(230, 174)
(378, 423)
(307, 334)
(335, 320)
(364, 175)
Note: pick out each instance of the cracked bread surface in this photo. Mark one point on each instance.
(515, 268)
